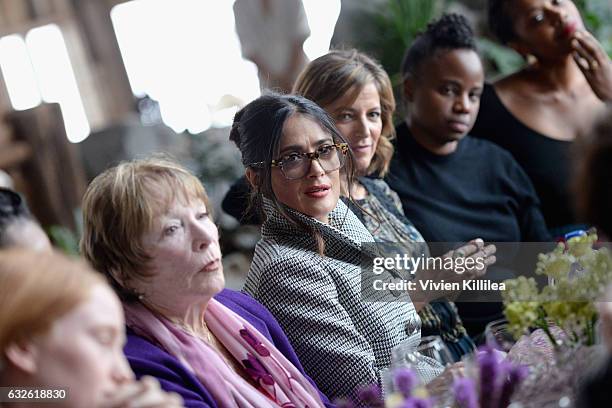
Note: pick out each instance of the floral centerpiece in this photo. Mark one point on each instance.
(556, 326)
(491, 384)
(578, 274)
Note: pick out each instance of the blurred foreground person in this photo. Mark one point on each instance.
(61, 328)
(592, 185)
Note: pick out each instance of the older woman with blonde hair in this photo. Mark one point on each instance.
(148, 227)
(61, 330)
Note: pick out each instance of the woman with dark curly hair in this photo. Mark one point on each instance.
(454, 187)
(537, 112)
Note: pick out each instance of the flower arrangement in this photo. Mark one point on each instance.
(492, 385)
(578, 275)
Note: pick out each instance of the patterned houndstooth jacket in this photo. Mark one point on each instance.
(342, 337)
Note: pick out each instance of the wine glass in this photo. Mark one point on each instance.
(498, 336)
(434, 348)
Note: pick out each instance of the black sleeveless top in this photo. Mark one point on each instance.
(545, 160)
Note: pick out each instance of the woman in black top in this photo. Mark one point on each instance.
(454, 187)
(537, 112)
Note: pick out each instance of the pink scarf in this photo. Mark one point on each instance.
(279, 383)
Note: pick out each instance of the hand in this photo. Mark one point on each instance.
(594, 64)
(476, 250)
(145, 393)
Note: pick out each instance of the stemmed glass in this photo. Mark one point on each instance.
(434, 348)
(427, 360)
(498, 336)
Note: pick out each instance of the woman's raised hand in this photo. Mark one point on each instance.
(478, 251)
(145, 393)
(594, 64)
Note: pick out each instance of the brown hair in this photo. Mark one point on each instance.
(119, 207)
(333, 76)
(594, 169)
(37, 288)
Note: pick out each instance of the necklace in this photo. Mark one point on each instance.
(189, 330)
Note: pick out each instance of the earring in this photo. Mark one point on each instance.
(531, 59)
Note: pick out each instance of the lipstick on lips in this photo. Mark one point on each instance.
(318, 191)
(359, 149)
(570, 28)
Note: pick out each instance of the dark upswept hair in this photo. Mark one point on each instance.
(331, 76)
(13, 208)
(450, 32)
(592, 176)
(500, 21)
(257, 131)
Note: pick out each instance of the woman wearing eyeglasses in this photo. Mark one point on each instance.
(306, 268)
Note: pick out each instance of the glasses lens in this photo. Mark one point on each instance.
(330, 159)
(296, 168)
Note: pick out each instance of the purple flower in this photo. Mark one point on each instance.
(405, 379)
(370, 395)
(516, 375)
(256, 370)
(344, 403)
(464, 390)
(490, 370)
(417, 403)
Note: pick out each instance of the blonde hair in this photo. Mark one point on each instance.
(120, 206)
(331, 77)
(37, 288)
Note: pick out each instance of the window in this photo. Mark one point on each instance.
(39, 69)
(185, 54)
